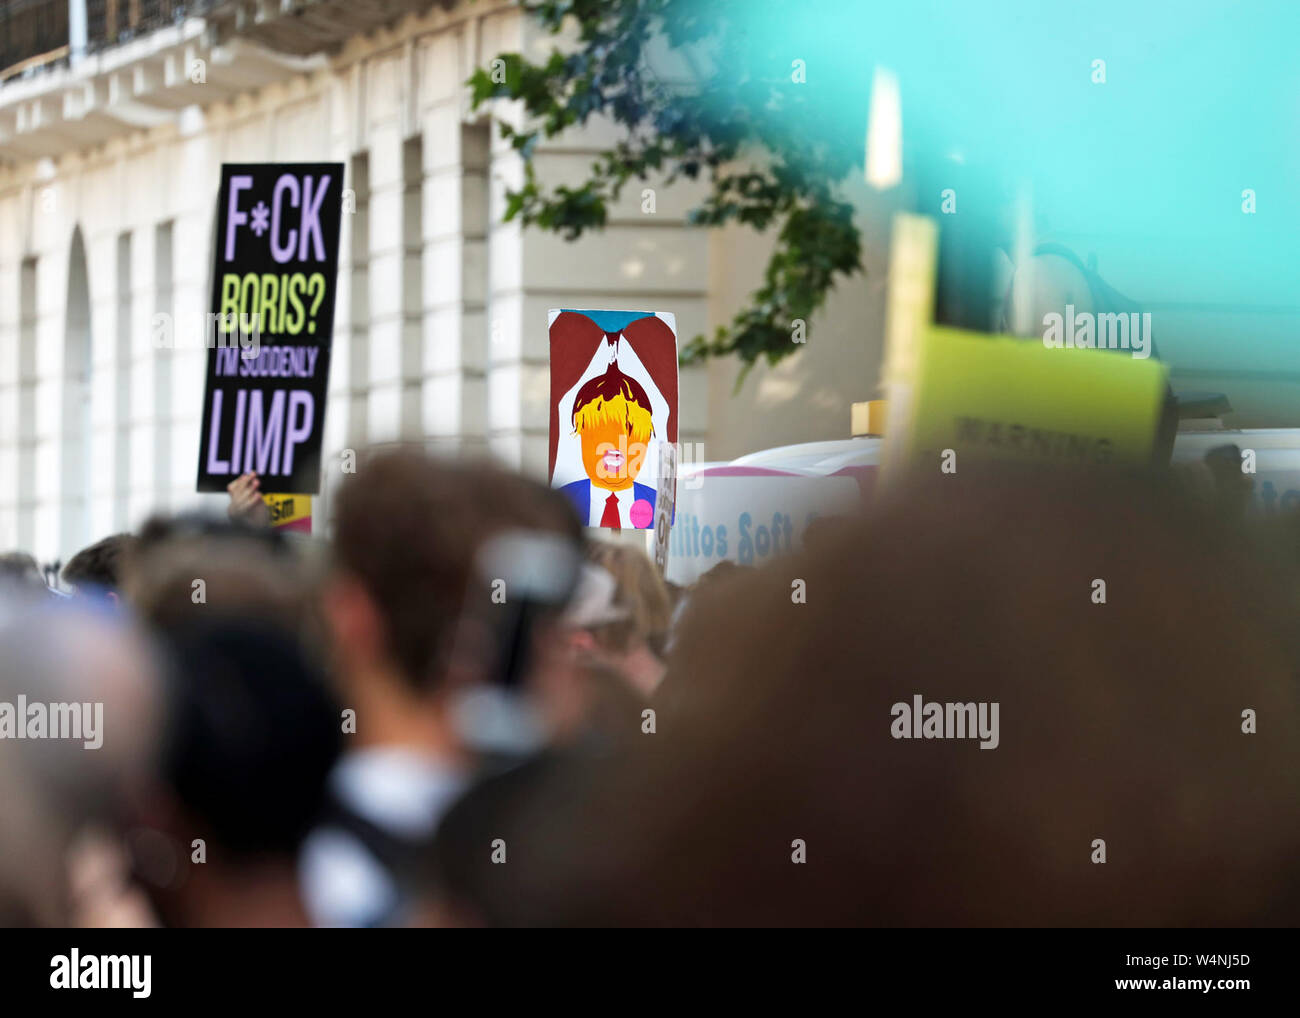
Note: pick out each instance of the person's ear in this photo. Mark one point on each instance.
(580, 640)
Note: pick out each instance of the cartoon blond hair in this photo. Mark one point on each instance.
(615, 397)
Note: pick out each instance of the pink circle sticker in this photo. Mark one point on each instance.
(641, 514)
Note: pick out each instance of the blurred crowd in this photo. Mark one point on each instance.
(463, 708)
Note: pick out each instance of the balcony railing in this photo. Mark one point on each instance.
(35, 32)
(32, 32)
(109, 22)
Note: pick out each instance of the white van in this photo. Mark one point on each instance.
(759, 506)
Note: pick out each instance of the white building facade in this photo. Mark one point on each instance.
(110, 159)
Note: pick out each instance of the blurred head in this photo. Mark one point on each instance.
(1120, 722)
(251, 736)
(631, 639)
(94, 681)
(20, 570)
(252, 728)
(100, 566)
(640, 590)
(185, 570)
(408, 533)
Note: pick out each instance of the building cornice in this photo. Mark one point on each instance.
(226, 56)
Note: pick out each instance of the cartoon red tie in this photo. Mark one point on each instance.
(609, 518)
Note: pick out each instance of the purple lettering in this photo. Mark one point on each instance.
(264, 433)
(297, 433)
(287, 182)
(227, 361)
(311, 219)
(241, 398)
(215, 466)
(234, 217)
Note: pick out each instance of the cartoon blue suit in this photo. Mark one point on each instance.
(579, 493)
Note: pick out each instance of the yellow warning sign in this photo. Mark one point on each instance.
(1006, 398)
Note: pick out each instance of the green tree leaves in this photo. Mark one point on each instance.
(701, 94)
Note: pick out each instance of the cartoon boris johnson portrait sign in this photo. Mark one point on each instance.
(613, 407)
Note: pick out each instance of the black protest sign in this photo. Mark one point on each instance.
(272, 320)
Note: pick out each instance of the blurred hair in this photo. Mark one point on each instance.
(246, 572)
(252, 734)
(408, 528)
(640, 590)
(100, 564)
(727, 568)
(1119, 721)
(19, 569)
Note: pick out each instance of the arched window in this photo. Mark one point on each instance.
(76, 437)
